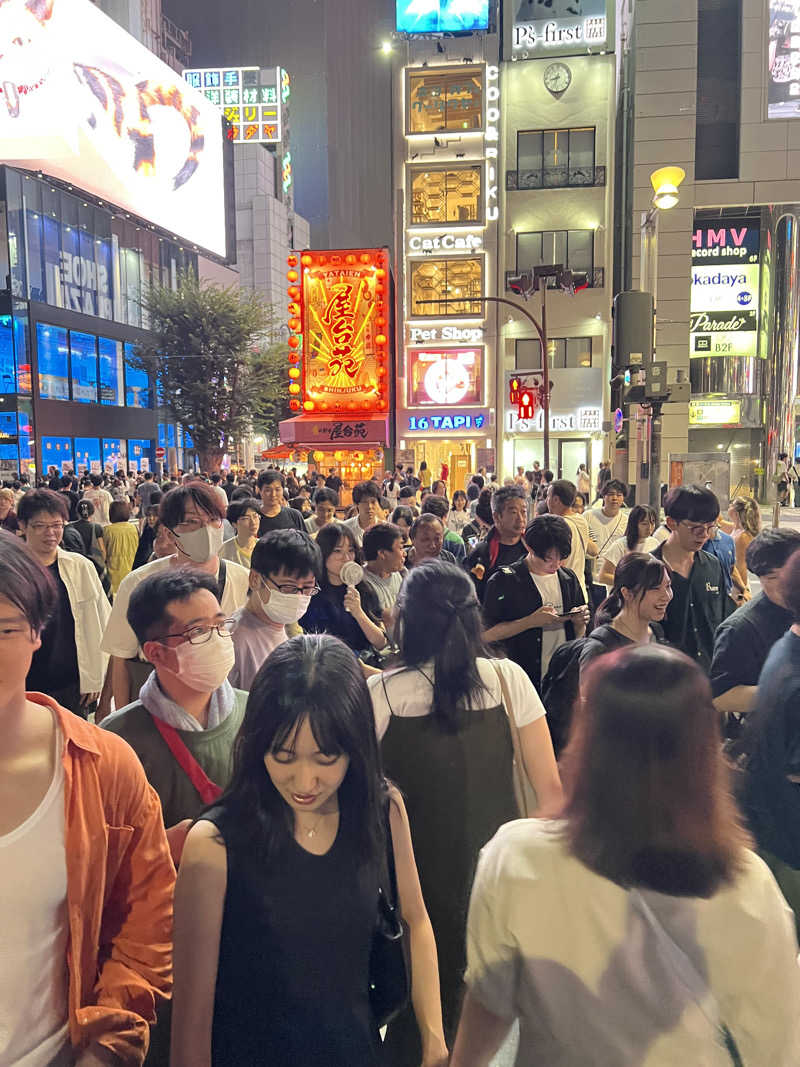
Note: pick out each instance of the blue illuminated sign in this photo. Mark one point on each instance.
(446, 422)
(442, 16)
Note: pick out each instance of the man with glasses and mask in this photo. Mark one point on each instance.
(192, 515)
(68, 665)
(698, 586)
(285, 569)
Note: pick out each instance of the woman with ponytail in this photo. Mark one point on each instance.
(635, 606)
(443, 720)
(745, 516)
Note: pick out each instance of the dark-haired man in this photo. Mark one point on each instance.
(367, 499)
(561, 501)
(438, 506)
(192, 515)
(285, 570)
(325, 501)
(187, 714)
(276, 516)
(606, 524)
(536, 604)
(698, 588)
(384, 564)
(744, 640)
(503, 544)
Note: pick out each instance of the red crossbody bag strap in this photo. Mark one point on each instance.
(208, 790)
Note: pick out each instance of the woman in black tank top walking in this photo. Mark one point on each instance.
(277, 899)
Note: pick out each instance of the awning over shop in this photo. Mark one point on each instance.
(329, 433)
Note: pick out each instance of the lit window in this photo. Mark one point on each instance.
(445, 196)
(437, 282)
(444, 101)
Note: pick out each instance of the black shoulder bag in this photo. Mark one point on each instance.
(389, 972)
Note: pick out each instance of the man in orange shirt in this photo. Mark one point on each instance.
(87, 880)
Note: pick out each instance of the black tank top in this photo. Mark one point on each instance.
(292, 982)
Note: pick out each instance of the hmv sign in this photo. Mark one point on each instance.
(736, 242)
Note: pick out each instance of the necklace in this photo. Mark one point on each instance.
(312, 832)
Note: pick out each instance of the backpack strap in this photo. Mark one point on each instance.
(209, 791)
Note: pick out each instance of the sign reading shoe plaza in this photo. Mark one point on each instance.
(559, 27)
(725, 291)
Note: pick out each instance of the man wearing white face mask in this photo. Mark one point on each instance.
(285, 569)
(192, 515)
(187, 716)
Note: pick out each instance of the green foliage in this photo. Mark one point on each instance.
(218, 359)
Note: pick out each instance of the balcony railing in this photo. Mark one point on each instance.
(555, 178)
(596, 278)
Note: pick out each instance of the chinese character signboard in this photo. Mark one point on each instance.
(725, 289)
(340, 308)
(251, 99)
(559, 27)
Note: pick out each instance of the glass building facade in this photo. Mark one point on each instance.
(72, 277)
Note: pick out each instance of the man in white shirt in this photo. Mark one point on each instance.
(606, 524)
(192, 514)
(367, 498)
(384, 565)
(101, 499)
(561, 501)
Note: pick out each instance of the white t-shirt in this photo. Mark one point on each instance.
(34, 934)
(604, 530)
(619, 548)
(576, 561)
(550, 591)
(574, 957)
(120, 640)
(354, 526)
(385, 589)
(410, 693)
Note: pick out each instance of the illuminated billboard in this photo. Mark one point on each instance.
(442, 16)
(251, 99)
(556, 27)
(725, 298)
(340, 310)
(445, 377)
(83, 101)
(783, 59)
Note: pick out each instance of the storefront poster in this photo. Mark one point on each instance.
(445, 376)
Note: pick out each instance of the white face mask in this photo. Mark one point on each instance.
(284, 608)
(200, 545)
(205, 667)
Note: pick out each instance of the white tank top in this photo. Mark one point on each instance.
(34, 933)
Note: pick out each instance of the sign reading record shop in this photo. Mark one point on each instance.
(725, 295)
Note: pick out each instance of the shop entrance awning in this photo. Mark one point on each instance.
(330, 432)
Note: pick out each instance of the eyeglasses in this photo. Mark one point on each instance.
(48, 527)
(199, 635)
(293, 590)
(190, 525)
(708, 528)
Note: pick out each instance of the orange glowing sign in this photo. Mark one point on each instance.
(344, 325)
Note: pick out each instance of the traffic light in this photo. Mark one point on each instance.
(632, 344)
(514, 387)
(572, 281)
(522, 284)
(528, 402)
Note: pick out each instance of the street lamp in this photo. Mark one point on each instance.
(666, 182)
(386, 48)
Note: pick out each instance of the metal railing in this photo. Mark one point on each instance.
(596, 278)
(563, 177)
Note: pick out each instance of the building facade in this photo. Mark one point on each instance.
(713, 88)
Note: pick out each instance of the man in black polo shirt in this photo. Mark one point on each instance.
(275, 515)
(536, 604)
(698, 589)
(744, 640)
(503, 544)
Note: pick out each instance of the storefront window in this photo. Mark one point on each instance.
(9, 453)
(26, 442)
(555, 158)
(445, 100)
(563, 352)
(83, 355)
(137, 384)
(57, 453)
(16, 234)
(51, 343)
(111, 371)
(572, 248)
(114, 454)
(8, 373)
(140, 454)
(434, 281)
(442, 196)
(87, 455)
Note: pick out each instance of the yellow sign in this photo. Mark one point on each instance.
(715, 412)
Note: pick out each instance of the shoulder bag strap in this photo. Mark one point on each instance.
(208, 790)
(526, 798)
(690, 977)
(222, 575)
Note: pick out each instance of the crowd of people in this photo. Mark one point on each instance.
(289, 782)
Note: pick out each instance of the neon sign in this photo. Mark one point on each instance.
(588, 28)
(492, 140)
(445, 376)
(448, 242)
(249, 98)
(427, 423)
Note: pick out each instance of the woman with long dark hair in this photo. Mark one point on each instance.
(351, 613)
(279, 882)
(443, 718)
(640, 928)
(631, 613)
(638, 537)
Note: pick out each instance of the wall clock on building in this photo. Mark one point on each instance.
(557, 78)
